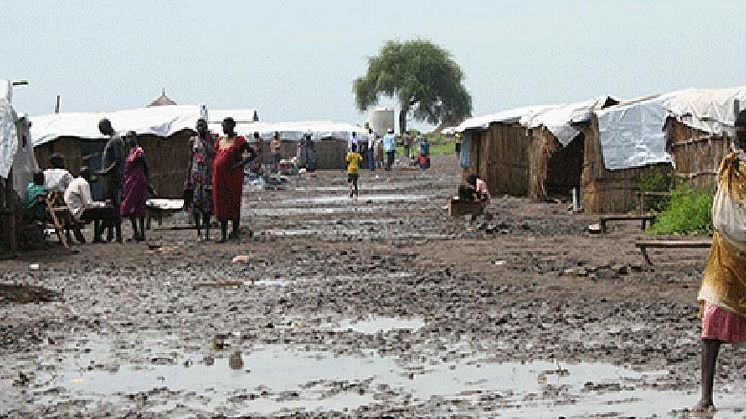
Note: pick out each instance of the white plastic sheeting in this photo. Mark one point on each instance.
(241, 116)
(294, 131)
(508, 116)
(708, 110)
(558, 120)
(8, 137)
(24, 163)
(158, 120)
(631, 134)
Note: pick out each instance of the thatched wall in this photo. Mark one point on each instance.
(696, 154)
(168, 159)
(516, 161)
(553, 169)
(608, 191)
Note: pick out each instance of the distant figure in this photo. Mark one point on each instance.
(353, 168)
(113, 169)
(35, 205)
(307, 153)
(199, 180)
(275, 147)
(722, 296)
(457, 141)
(371, 153)
(353, 141)
(389, 147)
(407, 140)
(57, 177)
(424, 155)
(256, 163)
(379, 154)
(135, 187)
(228, 177)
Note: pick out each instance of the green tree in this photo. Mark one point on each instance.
(421, 76)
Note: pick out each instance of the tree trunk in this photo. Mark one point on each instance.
(403, 120)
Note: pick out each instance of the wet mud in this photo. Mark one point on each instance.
(379, 305)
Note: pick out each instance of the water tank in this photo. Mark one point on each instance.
(382, 119)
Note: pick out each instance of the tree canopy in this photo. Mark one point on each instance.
(421, 76)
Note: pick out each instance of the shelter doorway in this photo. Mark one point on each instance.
(565, 168)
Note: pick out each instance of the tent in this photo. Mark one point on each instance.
(163, 132)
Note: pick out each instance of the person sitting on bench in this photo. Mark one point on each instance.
(83, 208)
(35, 205)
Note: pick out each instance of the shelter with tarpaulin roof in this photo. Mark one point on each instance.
(701, 127)
(163, 132)
(533, 151)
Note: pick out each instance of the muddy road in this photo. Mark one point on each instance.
(378, 305)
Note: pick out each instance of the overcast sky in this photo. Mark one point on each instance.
(296, 60)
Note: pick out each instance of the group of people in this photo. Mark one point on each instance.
(214, 185)
(125, 189)
(380, 152)
(374, 148)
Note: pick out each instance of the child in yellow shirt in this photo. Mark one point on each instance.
(353, 167)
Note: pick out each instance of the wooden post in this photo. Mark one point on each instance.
(57, 105)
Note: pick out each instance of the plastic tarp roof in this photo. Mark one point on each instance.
(558, 120)
(508, 116)
(8, 137)
(294, 131)
(241, 116)
(158, 120)
(708, 110)
(631, 133)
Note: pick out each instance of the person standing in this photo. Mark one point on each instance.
(113, 169)
(389, 147)
(722, 295)
(407, 140)
(199, 180)
(371, 149)
(135, 187)
(353, 141)
(353, 168)
(258, 146)
(227, 178)
(274, 148)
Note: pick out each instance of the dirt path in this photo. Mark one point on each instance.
(380, 305)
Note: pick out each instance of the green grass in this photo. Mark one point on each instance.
(689, 212)
(439, 145)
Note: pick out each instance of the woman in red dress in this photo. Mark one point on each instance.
(227, 177)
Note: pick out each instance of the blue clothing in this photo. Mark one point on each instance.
(389, 143)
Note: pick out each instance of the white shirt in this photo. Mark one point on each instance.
(57, 179)
(353, 140)
(78, 196)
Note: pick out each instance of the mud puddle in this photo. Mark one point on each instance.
(276, 378)
(342, 199)
(379, 324)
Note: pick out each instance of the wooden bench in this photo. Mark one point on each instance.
(643, 245)
(645, 219)
(458, 208)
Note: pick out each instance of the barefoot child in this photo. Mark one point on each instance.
(353, 167)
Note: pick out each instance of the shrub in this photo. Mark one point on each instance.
(688, 212)
(655, 180)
